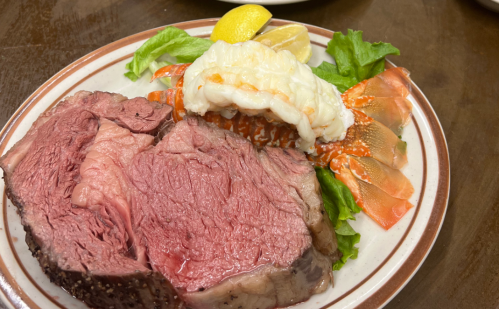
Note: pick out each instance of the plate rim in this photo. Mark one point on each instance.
(396, 281)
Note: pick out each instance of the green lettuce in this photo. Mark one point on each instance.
(340, 207)
(329, 72)
(347, 238)
(173, 41)
(355, 59)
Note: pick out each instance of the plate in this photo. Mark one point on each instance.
(387, 259)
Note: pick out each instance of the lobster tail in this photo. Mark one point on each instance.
(366, 160)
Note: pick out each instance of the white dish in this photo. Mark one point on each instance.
(387, 259)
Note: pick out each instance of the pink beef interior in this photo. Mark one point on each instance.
(208, 209)
(103, 182)
(80, 239)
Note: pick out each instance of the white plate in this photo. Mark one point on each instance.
(387, 259)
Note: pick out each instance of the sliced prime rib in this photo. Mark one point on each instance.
(230, 226)
(82, 250)
(201, 220)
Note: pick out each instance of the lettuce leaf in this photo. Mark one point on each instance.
(355, 59)
(329, 72)
(131, 76)
(340, 207)
(347, 238)
(173, 41)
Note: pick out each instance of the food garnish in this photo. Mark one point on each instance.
(340, 207)
(292, 37)
(241, 24)
(356, 60)
(173, 41)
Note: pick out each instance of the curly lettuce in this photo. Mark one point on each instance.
(356, 60)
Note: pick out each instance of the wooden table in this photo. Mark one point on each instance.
(451, 48)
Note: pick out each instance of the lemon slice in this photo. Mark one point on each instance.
(241, 24)
(292, 37)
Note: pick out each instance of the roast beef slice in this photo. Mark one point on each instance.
(213, 210)
(83, 250)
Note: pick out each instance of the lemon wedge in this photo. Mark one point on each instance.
(292, 37)
(241, 24)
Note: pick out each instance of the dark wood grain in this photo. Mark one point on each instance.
(451, 47)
